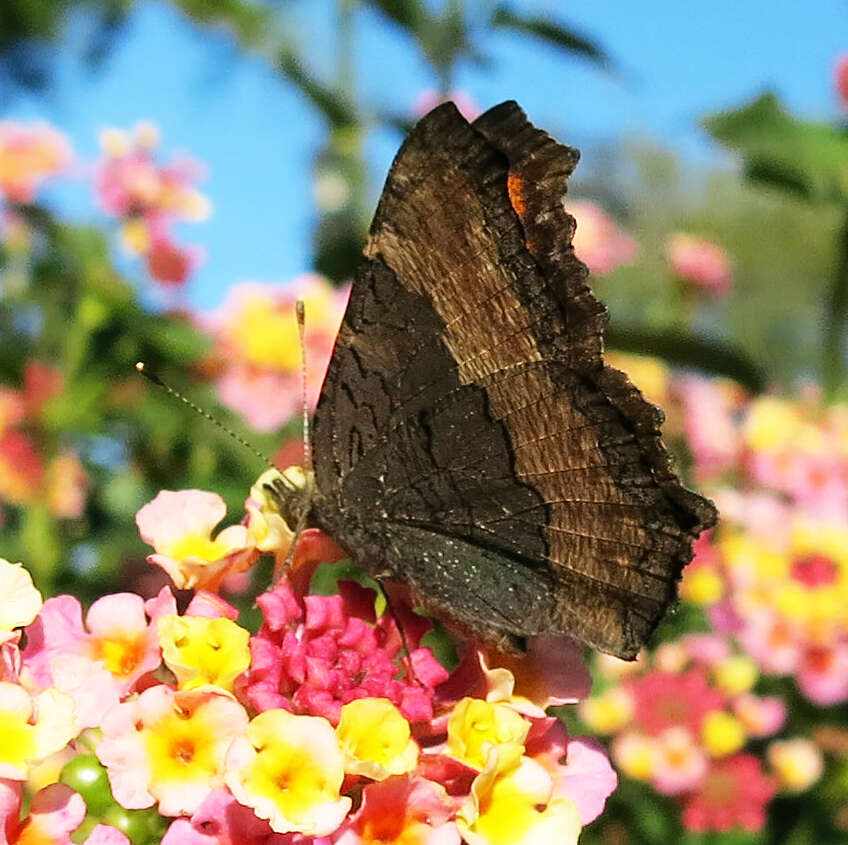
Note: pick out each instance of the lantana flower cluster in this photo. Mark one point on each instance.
(149, 198)
(257, 359)
(333, 723)
(30, 154)
(770, 588)
(700, 266)
(682, 720)
(775, 575)
(32, 469)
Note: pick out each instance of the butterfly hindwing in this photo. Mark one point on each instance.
(469, 439)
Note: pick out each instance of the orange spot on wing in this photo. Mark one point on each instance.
(515, 189)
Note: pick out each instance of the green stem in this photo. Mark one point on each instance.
(687, 350)
(345, 68)
(833, 364)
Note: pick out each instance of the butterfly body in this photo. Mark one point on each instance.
(469, 439)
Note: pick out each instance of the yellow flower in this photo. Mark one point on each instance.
(19, 600)
(476, 726)
(376, 739)
(267, 527)
(31, 729)
(608, 712)
(701, 585)
(514, 807)
(135, 236)
(650, 375)
(169, 747)
(797, 763)
(722, 733)
(115, 142)
(200, 650)
(290, 769)
(736, 674)
(635, 754)
(772, 424)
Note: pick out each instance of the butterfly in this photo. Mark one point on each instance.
(469, 439)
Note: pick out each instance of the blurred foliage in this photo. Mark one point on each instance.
(810, 160)
(77, 312)
(783, 249)
(445, 38)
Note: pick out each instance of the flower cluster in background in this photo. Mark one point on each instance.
(149, 198)
(775, 574)
(257, 356)
(700, 264)
(682, 718)
(29, 155)
(702, 267)
(331, 724)
(703, 716)
(34, 468)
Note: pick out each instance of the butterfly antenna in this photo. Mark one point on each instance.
(141, 368)
(300, 310)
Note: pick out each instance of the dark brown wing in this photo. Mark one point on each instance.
(469, 438)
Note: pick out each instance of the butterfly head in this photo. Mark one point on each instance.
(290, 492)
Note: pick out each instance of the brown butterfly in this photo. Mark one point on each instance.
(469, 439)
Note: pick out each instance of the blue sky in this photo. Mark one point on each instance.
(258, 137)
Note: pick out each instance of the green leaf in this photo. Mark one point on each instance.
(40, 539)
(337, 110)
(800, 157)
(554, 34)
(408, 14)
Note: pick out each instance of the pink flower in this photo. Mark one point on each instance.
(98, 666)
(170, 263)
(221, 820)
(774, 642)
(150, 197)
(733, 794)
(679, 762)
(264, 398)
(578, 766)
(28, 156)
(823, 673)
(706, 648)
(427, 100)
(54, 814)
(760, 716)
(710, 409)
(598, 241)
(699, 263)
(552, 672)
(179, 525)
(404, 808)
(130, 183)
(314, 662)
(257, 340)
(840, 78)
(671, 700)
